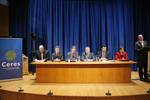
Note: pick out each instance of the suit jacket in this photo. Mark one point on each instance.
(46, 55)
(73, 57)
(119, 56)
(99, 54)
(139, 49)
(86, 57)
(57, 56)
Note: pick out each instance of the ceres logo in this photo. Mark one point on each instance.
(10, 55)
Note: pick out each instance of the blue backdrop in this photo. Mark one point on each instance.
(94, 23)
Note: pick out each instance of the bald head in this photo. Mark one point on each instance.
(87, 50)
(57, 49)
(41, 48)
(104, 48)
(140, 37)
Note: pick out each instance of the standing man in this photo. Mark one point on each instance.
(140, 47)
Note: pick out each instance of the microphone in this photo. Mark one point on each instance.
(108, 93)
(148, 91)
(50, 93)
(20, 89)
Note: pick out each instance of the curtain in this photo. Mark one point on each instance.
(94, 23)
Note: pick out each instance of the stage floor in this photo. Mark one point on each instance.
(28, 84)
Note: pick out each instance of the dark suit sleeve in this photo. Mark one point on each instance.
(61, 57)
(68, 55)
(47, 56)
(92, 55)
(137, 47)
(107, 54)
(83, 56)
(99, 54)
(37, 55)
(145, 44)
(53, 56)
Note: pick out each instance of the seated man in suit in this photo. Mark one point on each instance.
(102, 55)
(121, 55)
(57, 56)
(73, 55)
(41, 55)
(87, 55)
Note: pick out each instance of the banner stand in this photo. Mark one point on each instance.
(10, 59)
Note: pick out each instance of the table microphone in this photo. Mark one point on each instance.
(108, 93)
(148, 91)
(20, 89)
(50, 93)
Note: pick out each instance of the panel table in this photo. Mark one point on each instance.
(83, 72)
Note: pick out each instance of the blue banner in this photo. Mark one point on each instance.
(10, 58)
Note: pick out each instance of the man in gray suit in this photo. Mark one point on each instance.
(140, 48)
(87, 55)
(73, 55)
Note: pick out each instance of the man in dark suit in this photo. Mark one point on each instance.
(102, 55)
(142, 57)
(41, 55)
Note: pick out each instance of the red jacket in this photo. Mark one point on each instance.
(120, 56)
